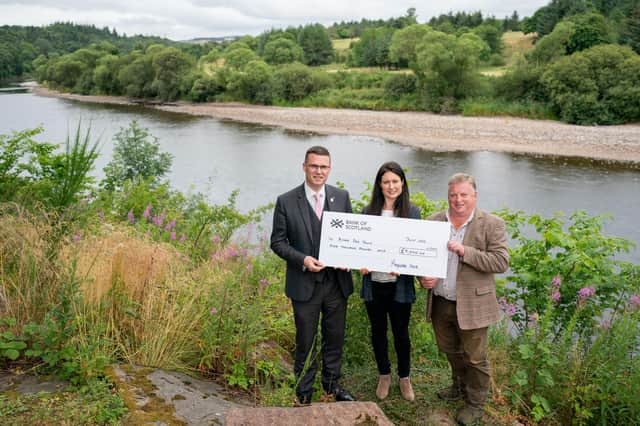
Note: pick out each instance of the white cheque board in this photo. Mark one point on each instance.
(385, 244)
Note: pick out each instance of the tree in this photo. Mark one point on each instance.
(373, 48)
(171, 68)
(590, 29)
(491, 35)
(136, 156)
(446, 66)
(137, 75)
(630, 33)
(253, 84)
(282, 51)
(316, 45)
(404, 43)
(553, 45)
(600, 85)
(239, 57)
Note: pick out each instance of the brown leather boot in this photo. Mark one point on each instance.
(406, 389)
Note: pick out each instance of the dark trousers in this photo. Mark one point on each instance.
(381, 307)
(328, 300)
(466, 351)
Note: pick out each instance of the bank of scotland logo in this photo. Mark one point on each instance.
(337, 223)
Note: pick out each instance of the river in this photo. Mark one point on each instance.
(216, 157)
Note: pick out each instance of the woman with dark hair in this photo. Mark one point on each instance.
(388, 294)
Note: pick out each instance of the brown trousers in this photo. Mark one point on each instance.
(466, 351)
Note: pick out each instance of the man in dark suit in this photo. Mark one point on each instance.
(313, 288)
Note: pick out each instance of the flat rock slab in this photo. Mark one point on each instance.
(197, 402)
(322, 414)
(194, 401)
(28, 384)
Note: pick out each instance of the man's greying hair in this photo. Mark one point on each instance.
(463, 177)
(317, 150)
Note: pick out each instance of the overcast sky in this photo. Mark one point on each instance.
(185, 19)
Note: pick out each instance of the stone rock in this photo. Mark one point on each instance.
(337, 413)
(28, 384)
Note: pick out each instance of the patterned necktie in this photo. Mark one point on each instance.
(318, 206)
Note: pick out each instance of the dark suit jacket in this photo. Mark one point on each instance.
(291, 239)
(405, 288)
(485, 254)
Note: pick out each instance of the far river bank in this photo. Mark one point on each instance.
(422, 130)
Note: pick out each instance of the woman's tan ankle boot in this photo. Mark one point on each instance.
(406, 389)
(384, 382)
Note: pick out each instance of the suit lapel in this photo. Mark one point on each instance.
(330, 198)
(303, 206)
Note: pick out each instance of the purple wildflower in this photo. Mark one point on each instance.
(556, 281)
(231, 252)
(555, 296)
(130, 217)
(509, 308)
(147, 212)
(264, 283)
(586, 292)
(215, 239)
(213, 311)
(76, 238)
(172, 236)
(183, 238)
(635, 301)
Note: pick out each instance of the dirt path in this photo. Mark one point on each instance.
(424, 130)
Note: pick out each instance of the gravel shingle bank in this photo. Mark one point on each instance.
(425, 130)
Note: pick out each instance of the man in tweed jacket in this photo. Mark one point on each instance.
(463, 305)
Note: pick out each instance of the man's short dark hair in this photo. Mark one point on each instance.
(317, 150)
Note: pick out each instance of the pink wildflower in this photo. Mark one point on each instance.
(586, 292)
(509, 308)
(231, 252)
(215, 239)
(183, 238)
(147, 212)
(172, 235)
(555, 296)
(130, 217)
(213, 311)
(76, 238)
(264, 282)
(556, 281)
(635, 301)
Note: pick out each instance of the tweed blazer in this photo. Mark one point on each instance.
(292, 240)
(485, 254)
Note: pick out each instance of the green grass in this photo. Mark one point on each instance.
(494, 108)
(343, 43)
(93, 404)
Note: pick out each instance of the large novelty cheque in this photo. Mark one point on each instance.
(385, 244)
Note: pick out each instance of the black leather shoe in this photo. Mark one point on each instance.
(342, 395)
(302, 400)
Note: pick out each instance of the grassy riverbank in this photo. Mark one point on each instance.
(132, 271)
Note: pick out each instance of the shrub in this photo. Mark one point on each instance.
(600, 85)
(293, 82)
(136, 155)
(397, 85)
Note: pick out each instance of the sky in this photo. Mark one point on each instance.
(187, 19)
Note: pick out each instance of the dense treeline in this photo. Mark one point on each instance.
(20, 46)
(583, 70)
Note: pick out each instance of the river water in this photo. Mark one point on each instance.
(216, 156)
